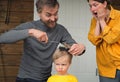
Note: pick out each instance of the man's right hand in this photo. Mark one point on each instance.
(40, 35)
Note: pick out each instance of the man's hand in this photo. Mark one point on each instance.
(77, 49)
(40, 35)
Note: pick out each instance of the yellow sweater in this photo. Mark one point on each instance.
(62, 78)
(107, 45)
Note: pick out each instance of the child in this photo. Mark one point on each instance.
(62, 60)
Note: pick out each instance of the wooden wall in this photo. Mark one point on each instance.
(115, 4)
(12, 13)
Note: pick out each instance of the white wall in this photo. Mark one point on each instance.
(75, 16)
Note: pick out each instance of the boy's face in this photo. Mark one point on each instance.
(49, 15)
(62, 64)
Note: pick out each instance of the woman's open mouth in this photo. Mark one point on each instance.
(95, 13)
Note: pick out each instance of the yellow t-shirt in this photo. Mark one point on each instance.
(62, 78)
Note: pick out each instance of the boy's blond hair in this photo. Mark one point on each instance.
(62, 51)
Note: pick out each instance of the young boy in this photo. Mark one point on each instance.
(62, 60)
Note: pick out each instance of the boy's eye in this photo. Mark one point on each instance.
(63, 64)
(56, 64)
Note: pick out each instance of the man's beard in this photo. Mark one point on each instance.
(50, 24)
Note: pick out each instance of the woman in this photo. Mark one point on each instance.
(104, 33)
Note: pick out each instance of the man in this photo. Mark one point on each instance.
(41, 39)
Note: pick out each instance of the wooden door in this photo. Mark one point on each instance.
(12, 13)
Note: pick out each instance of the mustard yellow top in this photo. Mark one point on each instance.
(107, 45)
(62, 78)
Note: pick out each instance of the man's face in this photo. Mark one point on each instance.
(49, 16)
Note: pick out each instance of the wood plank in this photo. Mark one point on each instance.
(22, 6)
(4, 27)
(115, 2)
(7, 79)
(12, 49)
(10, 71)
(116, 7)
(18, 9)
(19, 0)
(10, 60)
(18, 17)
(21, 11)
(17, 6)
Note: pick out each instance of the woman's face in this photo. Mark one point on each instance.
(96, 6)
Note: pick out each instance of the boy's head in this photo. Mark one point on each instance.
(62, 60)
(62, 51)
